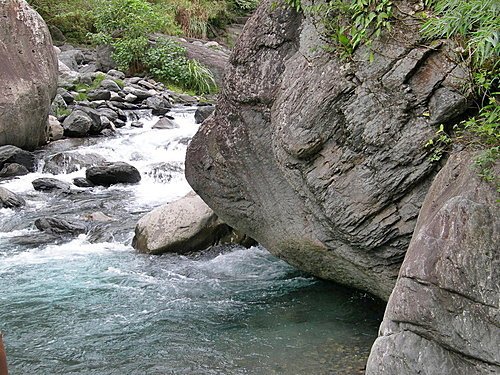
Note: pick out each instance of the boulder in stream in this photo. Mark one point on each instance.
(77, 124)
(108, 174)
(165, 123)
(8, 199)
(183, 226)
(67, 162)
(50, 184)
(55, 225)
(12, 154)
(13, 170)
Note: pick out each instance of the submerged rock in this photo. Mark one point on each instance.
(28, 75)
(183, 226)
(319, 159)
(442, 317)
(113, 173)
(61, 226)
(8, 199)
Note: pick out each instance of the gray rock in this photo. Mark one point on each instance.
(116, 74)
(183, 226)
(203, 112)
(88, 68)
(77, 124)
(55, 129)
(99, 94)
(13, 170)
(165, 123)
(158, 104)
(139, 93)
(104, 58)
(442, 317)
(164, 172)
(109, 113)
(113, 173)
(137, 124)
(66, 95)
(28, 75)
(8, 199)
(50, 184)
(60, 226)
(321, 160)
(130, 98)
(71, 58)
(12, 154)
(82, 182)
(445, 105)
(110, 85)
(67, 162)
(96, 126)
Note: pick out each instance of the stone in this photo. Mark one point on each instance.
(98, 216)
(77, 124)
(116, 74)
(28, 75)
(446, 105)
(110, 85)
(71, 58)
(48, 184)
(164, 172)
(165, 123)
(96, 126)
(8, 199)
(203, 112)
(99, 94)
(82, 182)
(13, 170)
(113, 173)
(137, 124)
(12, 154)
(130, 98)
(158, 104)
(104, 58)
(183, 226)
(442, 317)
(68, 162)
(60, 226)
(321, 160)
(109, 113)
(139, 93)
(68, 97)
(55, 129)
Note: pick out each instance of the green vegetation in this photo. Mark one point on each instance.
(475, 26)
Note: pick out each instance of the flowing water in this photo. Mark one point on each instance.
(92, 305)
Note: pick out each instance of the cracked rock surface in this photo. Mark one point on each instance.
(443, 315)
(320, 159)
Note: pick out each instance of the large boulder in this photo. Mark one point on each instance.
(183, 226)
(28, 75)
(67, 162)
(108, 174)
(11, 154)
(443, 315)
(322, 160)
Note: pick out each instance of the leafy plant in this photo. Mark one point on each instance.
(475, 25)
(439, 144)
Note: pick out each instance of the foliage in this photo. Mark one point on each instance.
(167, 62)
(74, 18)
(475, 25)
(439, 144)
(350, 24)
(83, 88)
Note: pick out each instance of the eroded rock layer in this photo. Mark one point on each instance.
(322, 160)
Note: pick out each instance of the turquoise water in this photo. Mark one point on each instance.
(93, 305)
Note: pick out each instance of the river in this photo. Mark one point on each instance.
(92, 305)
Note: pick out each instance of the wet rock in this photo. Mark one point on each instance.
(158, 104)
(139, 93)
(113, 173)
(13, 170)
(67, 162)
(12, 154)
(8, 199)
(137, 124)
(165, 123)
(442, 317)
(130, 98)
(77, 124)
(98, 216)
(50, 184)
(202, 113)
(327, 173)
(82, 182)
(28, 75)
(109, 113)
(183, 226)
(164, 172)
(61, 226)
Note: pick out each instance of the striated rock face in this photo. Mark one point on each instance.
(28, 75)
(321, 160)
(443, 315)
